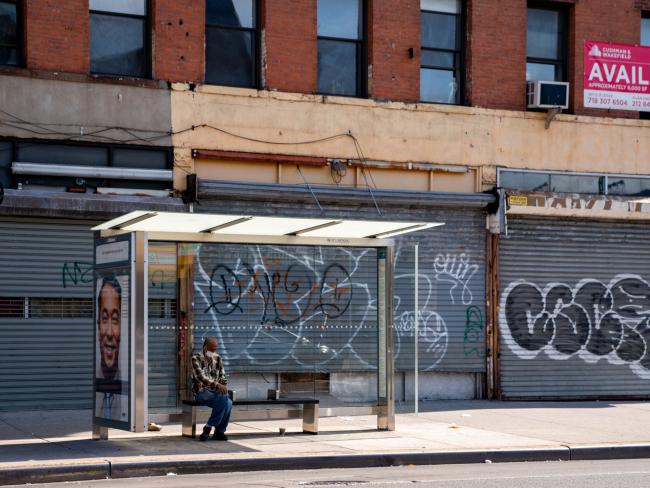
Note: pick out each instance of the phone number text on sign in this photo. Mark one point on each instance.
(619, 101)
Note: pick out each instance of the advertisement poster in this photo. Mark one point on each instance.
(112, 396)
(617, 76)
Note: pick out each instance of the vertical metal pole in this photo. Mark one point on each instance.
(140, 324)
(385, 394)
(416, 327)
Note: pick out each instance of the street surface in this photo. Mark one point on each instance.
(573, 474)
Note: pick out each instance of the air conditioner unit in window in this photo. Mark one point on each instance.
(548, 94)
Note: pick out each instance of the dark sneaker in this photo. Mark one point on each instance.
(219, 436)
(206, 433)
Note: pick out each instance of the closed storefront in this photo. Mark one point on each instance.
(451, 303)
(574, 319)
(46, 314)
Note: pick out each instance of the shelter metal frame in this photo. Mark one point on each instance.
(385, 408)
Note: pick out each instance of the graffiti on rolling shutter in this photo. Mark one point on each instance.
(592, 321)
(288, 307)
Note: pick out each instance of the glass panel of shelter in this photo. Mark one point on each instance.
(298, 320)
(164, 328)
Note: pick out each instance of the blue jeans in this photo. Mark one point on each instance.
(221, 406)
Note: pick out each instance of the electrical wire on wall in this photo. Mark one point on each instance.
(148, 137)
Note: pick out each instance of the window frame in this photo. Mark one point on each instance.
(20, 35)
(361, 54)
(562, 61)
(257, 46)
(109, 147)
(147, 40)
(460, 44)
(604, 184)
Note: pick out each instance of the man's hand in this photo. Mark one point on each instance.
(223, 389)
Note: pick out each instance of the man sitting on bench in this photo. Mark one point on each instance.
(209, 386)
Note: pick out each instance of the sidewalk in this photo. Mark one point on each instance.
(448, 432)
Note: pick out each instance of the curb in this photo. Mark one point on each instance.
(619, 451)
(52, 474)
(103, 470)
(162, 468)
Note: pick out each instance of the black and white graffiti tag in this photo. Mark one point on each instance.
(593, 321)
(432, 329)
(288, 306)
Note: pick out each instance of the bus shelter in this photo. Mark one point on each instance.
(292, 301)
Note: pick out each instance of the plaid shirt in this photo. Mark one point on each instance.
(207, 373)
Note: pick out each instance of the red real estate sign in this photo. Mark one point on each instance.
(617, 76)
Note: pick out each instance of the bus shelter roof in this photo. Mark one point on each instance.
(260, 226)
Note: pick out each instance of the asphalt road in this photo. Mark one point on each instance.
(574, 474)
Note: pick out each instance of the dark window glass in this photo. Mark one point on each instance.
(563, 183)
(62, 154)
(337, 67)
(119, 38)
(81, 155)
(6, 157)
(139, 158)
(232, 13)
(520, 180)
(439, 31)
(546, 45)
(231, 40)
(9, 35)
(340, 47)
(628, 186)
(232, 66)
(438, 58)
(441, 51)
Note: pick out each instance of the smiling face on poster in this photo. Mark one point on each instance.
(112, 397)
(112, 345)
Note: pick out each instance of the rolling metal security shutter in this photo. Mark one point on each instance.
(451, 286)
(46, 351)
(575, 309)
(451, 295)
(287, 308)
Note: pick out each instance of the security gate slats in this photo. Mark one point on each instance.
(574, 317)
(46, 333)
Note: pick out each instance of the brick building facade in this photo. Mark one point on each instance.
(56, 39)
(293, 108)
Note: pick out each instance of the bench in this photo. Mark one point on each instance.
(309, 412)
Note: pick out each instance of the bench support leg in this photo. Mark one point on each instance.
(310, 418)
(189, 421)
(100, 433)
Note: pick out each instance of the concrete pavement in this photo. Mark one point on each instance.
(56, 445)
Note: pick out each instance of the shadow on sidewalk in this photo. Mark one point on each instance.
(40, 450)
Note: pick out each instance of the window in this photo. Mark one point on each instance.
(10, 35)
(119, 37)
(556, 182)
(340, 47)
(231, 42)
(441, 51)
(81, 154)
(546, 45)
